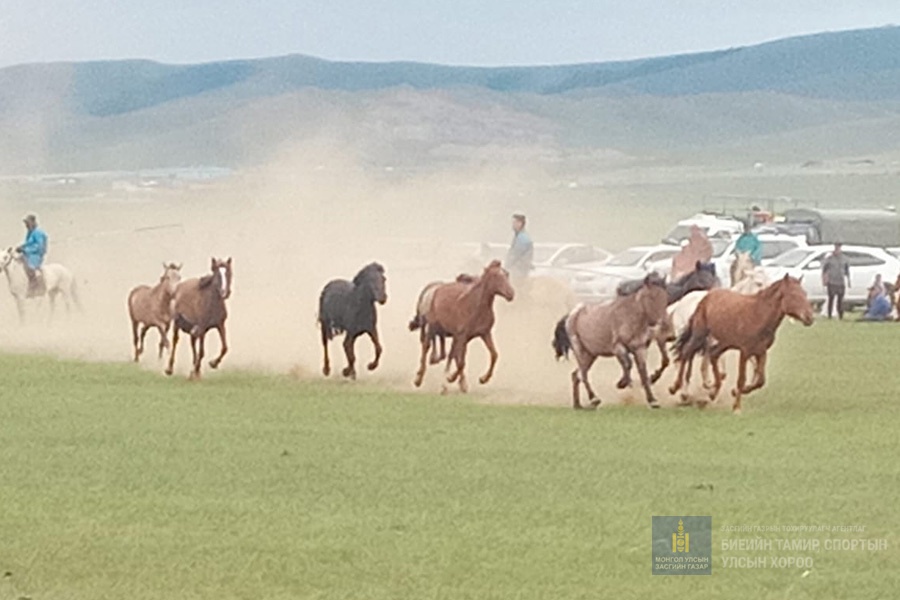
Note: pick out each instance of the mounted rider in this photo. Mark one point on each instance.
(33, 251)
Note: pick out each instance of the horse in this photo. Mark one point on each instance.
(198, 306)
(465, 310)
(681, 311)
(745, 323)
(349, 307)
(621, 328)
(152, 307)
(57, 279)
(437, 338)
(703, 277)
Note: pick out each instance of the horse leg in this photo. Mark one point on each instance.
(135, 340)
(373, 335)
(461, 366)
(326, 367)
(584, 367)
(661, 344)
(488, 340)
(195, 370)
(350, 352)
(741, 382)
(451, 358)
(443, 340)
(163, 338)
(51, 296)
(20, 307)
(223, 342)
(640, 359)
(171, 368)
(718, 374)
(201, 352)
(576, 390)
(625, 361)
(140, 351)
(759, 377)
(424, 343)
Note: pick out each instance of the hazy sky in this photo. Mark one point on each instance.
(483, 32)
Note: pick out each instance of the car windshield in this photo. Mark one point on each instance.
(681, 232)
(791, 258)
(719, 246)
(628, 258)
(543, 254)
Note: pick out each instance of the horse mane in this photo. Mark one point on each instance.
(206, 280)
(367, 273)
(466, 278)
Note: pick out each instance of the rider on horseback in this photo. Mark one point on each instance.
(33, 251)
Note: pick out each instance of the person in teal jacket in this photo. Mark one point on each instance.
(749, 243)
(33, 251)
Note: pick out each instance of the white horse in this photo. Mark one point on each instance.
(751, 279)
(58, 280)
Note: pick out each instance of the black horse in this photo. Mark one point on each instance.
(703, 277)
(346, 307)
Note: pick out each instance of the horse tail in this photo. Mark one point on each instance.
(561, 342)
(417, 322)
(692, 340)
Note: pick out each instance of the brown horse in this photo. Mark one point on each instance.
(151, 307)
(199, 306)
(464, 309)
(745, 323)
(436, 338)
(622, 328)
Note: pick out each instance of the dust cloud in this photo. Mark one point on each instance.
(315, 213)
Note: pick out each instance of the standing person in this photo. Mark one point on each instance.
(33, 251)
(835, 270)
(748, 242)
(520, 257)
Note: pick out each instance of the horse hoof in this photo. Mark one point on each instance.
(417, 382)
(444, 390)
(653, 404)
(372, 366)
(213, 364)
(736, 412)
(595, 403)
(347, 372)
(623, 383)
(434, 360)
(655, 377)
(464, 388)
(484, 379)
(734, 393)
(326, 371)
(168, 372)
(673, 389)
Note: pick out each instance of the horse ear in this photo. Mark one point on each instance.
(228, 262)
(212, 262)
(698, 266)
(786, 277)
(801, 279)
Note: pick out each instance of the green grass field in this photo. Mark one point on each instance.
(118, 483)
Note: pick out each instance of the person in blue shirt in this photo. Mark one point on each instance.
(33, 251)
(520, 257)
(750, 244)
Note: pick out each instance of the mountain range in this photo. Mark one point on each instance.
(817, 96)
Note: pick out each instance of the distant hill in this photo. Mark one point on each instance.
(130, 114)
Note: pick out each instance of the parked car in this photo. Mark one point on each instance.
(773, 245)
(558, 260)
(714, 226)
(563, 261)
(865, 263)
(599, 281)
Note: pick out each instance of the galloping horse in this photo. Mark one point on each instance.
(464, 309)
(703, 277)
(622, 328)
(437, 338)
(350, 307)
(198, 306)
(58, 280)
(152, 307)
(727, 320)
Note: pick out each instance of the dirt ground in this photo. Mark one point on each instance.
(317, 214)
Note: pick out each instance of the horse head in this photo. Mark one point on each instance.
(171, 276)
(793, 300)
(373, 279)
(6, 258)
(653, 298)
(496, 281)
(222, 274)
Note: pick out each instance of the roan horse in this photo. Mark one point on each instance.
(464, 309)
(703, 277)
(58, 280)
(622, 328)
(727, 320)
(198, 306)
(349, 307)
(150, 307)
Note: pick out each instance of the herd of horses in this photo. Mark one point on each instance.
(694, 316)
